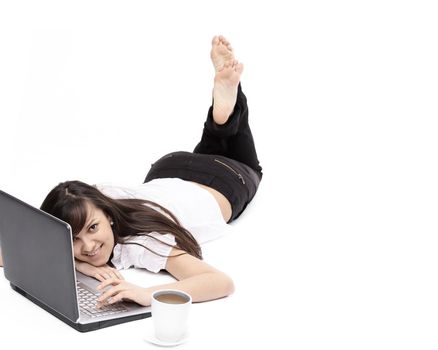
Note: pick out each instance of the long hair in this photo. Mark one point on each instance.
(131, 217)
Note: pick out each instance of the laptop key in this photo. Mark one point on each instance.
(88, 302)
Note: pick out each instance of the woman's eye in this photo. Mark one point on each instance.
(93, 227)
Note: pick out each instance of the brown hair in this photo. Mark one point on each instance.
(131, 217)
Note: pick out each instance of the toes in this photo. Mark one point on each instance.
(215, 40)
(235, 66)
(239, 68)
(225, 42)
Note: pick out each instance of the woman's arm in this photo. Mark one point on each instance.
(195, 277)
(202, 281)
(1, 259)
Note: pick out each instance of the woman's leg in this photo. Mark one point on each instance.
(231, 137)
(225, 159)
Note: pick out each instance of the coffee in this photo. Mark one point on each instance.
(171, 298)
(170, 311)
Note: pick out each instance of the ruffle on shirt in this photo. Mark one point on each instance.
(126, 256)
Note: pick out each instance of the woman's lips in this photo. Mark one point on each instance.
(95, 253)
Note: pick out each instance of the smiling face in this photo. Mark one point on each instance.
(95, 242)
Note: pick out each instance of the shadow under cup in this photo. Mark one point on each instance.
(170, 311)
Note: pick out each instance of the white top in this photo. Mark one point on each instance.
(195, 208)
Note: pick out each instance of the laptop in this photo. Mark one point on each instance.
(37, 250)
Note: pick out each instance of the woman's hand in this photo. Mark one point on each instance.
(122, 290)
(100, 273)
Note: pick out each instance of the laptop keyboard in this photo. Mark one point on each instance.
(88, 301)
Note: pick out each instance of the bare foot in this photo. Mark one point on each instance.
(221, 52)
(226, 82)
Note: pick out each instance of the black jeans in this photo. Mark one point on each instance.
(225, 159)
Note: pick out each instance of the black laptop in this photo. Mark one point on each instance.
(38, 260)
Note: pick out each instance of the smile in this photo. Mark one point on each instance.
(94, 252)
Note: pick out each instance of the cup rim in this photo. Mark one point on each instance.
(173, 291)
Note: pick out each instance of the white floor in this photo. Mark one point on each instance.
(338, 249)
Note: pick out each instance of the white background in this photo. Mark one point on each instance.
(338, 249)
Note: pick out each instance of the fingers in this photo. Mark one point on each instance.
(106, 273)
(99, 277)
(107, 282)
(112, 295)
(122, 290)
(119, 296)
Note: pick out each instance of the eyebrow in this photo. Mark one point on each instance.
(90, 222)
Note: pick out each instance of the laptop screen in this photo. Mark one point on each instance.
(38, 256)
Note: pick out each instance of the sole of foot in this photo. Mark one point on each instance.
(226, 82)
(221, 52)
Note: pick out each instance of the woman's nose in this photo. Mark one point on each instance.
(87, 245)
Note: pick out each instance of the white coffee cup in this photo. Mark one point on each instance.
(170, 311)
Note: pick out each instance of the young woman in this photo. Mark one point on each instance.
(187, 199)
